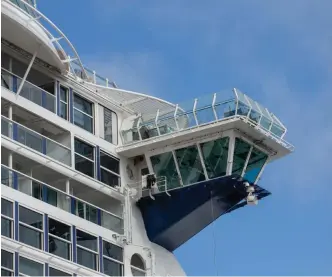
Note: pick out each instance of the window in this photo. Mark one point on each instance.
(83, 113)
(108, 125)
(59, 240)
(87, 250)
(56, 272)
(137, 265)
(30, 268)
(112, 259)
(110, 169)
(7, 263)
(86, 211)
(63, 102)
(6, 218)
(84, 158)
(241, 151)
(30, 227)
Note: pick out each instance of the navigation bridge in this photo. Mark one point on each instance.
(205, 161)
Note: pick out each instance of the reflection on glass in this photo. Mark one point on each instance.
(59, 247)
(113, 251)
(111, 222)
(112, 268)
(30, 268)
(164, 165)
(86, 258)
(6, 227)
(86, 240)
(215, 155)
(30, 236)
(241, 151)
(190, 165)
(255, 164)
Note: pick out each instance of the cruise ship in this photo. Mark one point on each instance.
(97, 180)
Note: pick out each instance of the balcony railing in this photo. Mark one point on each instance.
(29, 91)
(55, 197)
(35, 141)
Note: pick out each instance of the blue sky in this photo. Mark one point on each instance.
(278, 52)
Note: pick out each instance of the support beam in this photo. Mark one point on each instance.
(202, 160)
(177, 167)
(27, 72)
(246, 162)
(262, 169)
(230, 154)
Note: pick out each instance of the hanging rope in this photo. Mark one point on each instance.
(214, 238)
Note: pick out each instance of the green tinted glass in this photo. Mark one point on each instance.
(215, 155)
(164, 165)
(241, 151)
(255, 164)
(190, 165)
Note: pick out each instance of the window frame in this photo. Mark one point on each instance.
(63, 102)
(61, 239)
(11, 220)
(42, 244)
(86, 158)
(92, 116)
(12, 271)
(117, 126)
(57, 268)
(97, 252)
(112, 259)
(108, 170)
(137, 268)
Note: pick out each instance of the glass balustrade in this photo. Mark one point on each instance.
(60, 199)
(29, 91)
(36, 141)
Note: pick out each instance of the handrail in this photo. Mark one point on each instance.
(14, 122)
(58, 190)
(18, 77)
(52, 38)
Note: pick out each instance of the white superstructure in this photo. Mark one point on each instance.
(77, 154)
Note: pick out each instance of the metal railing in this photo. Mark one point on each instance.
(35, 141)
(58, 198)
(29, 91)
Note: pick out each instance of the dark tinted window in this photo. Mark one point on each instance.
(59, 229)
(109, 162)
(86, 240)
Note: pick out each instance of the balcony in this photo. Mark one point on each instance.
(30, 91)
(36, 141)
(56, 197)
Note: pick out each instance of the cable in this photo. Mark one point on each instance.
(214, 239)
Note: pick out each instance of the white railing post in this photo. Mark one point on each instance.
(213, 104)
(27, 72)
(94, 77)
(156, 121)
(175, 117)
(107, 82)
(194, 111)
(237, 100)
(138, 130)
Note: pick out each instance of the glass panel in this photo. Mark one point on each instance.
(215, 155)
(109, 162)
(30, 236)
(7, 259)
(51, 196)
(58, 152)
(190, 165)
(85, 166)
(84, 149)
(6, 128)
(111, 222)
(63, 94)
(84, 121)
(255, 164)
(112, 268)
(24, 185)
(59, 229)
(63, 110)
(109, 178)
(49, 101)
(56, 272)
(82, 104)
(241, 151)
(6, 79)
(108, 125)
(112, 251)
(6, 227)
(164, 165)
(91, 214)
(37, 190)
(30, 217)
(29, 138)
(86, 258)
(5, 174)
(59, 248)
(30, 268)
(6, 208)
(86, 240)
